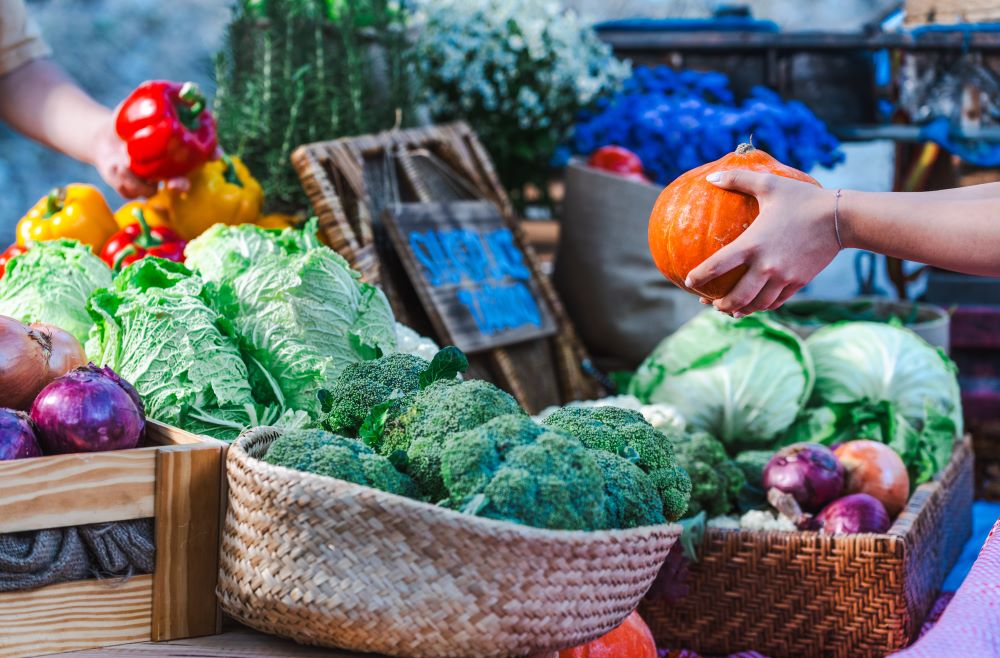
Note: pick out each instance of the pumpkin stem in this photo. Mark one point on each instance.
(745, 148)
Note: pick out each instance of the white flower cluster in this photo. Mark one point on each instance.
(522, 64)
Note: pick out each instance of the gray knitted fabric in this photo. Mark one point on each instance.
(102, 550)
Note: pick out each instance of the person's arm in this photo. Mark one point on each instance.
(794, 237)
(41, 102)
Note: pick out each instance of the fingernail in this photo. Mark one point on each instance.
(714, 177)
(737, 315)
(687, 282)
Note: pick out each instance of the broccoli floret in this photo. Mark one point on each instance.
(322, 453)
(296, 449)
(364, 385)
(626, 433)
(716, 479)
(752, 463)
(674, 488)
(512, 469)
(630, 499)
(420, 423)
(618, 431)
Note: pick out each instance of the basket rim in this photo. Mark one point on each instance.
(914, 506)
(237, 450)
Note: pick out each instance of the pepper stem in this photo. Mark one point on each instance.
(145, 239)
(55, 201)
(193, 104)
(230, 174)
(122, 255)
(746, 147)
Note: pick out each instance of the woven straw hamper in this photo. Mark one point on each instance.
(330, 563)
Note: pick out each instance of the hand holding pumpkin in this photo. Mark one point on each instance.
(791, 240)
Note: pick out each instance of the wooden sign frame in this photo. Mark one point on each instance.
(352, 181)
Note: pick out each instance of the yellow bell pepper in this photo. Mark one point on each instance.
(77, 211)
(222, 192)
(277, 221)
(154, 210)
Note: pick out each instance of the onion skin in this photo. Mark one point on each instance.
(89, 409)
(23, 365)
(17, 436)
(875, 469)
(854, 513)
(65, 351)
(809, 472)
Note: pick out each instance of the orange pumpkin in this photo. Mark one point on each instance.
(692, 218)
(632, 639)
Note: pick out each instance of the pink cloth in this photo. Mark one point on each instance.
(970, 626)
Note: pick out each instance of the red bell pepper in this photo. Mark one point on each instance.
(167, 129)
(618, 160)
(139, 240)
(10, 252)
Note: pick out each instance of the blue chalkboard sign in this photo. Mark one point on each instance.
(470, 273)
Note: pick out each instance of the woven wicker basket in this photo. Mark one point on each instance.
(331, 563)
(804, 594)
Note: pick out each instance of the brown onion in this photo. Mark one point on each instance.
(31, 358)
(875, 469)
(65, 351)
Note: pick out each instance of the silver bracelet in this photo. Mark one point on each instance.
(836, 218)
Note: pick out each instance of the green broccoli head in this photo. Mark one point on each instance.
(296, 449)
(322, 453)
(716, 479)
(364, 385)
(752, 463)
(674, 488)
(630, 498)
(621, 432)
(419, 424)
(512, 469)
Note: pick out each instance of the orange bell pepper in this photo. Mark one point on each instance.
(277, 221)
(77, 212)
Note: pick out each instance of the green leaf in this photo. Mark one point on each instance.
(475, 504)
(325, 400)
(693, 535)
(371, 429)
(447, 364)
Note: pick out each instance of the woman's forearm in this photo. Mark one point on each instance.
(39, 101)
(960, 234)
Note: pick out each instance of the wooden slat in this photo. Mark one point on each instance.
(162, 434)
(188, 489)
(73, 616)
(70, 490)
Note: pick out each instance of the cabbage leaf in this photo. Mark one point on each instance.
(52, 283)
(744, 381)
(154, 329)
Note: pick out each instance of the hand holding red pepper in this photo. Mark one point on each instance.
(139, 240)
(167, 129)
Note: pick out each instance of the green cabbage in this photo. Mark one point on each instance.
(743, 381)
(885, 383)
(304, 317)
(154, 328)
(52, 283)
(223, 252)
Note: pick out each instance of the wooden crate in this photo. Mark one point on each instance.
(948, 12)
(174, 478)
(804, 594)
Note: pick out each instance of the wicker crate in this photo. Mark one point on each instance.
(176, 479)
(948, 12)
(805, 594)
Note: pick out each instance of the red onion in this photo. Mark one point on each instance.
(855, 513)
(90, 409)
(808, 471)
(17, 436)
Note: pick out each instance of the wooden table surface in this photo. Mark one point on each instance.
(235, 642)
